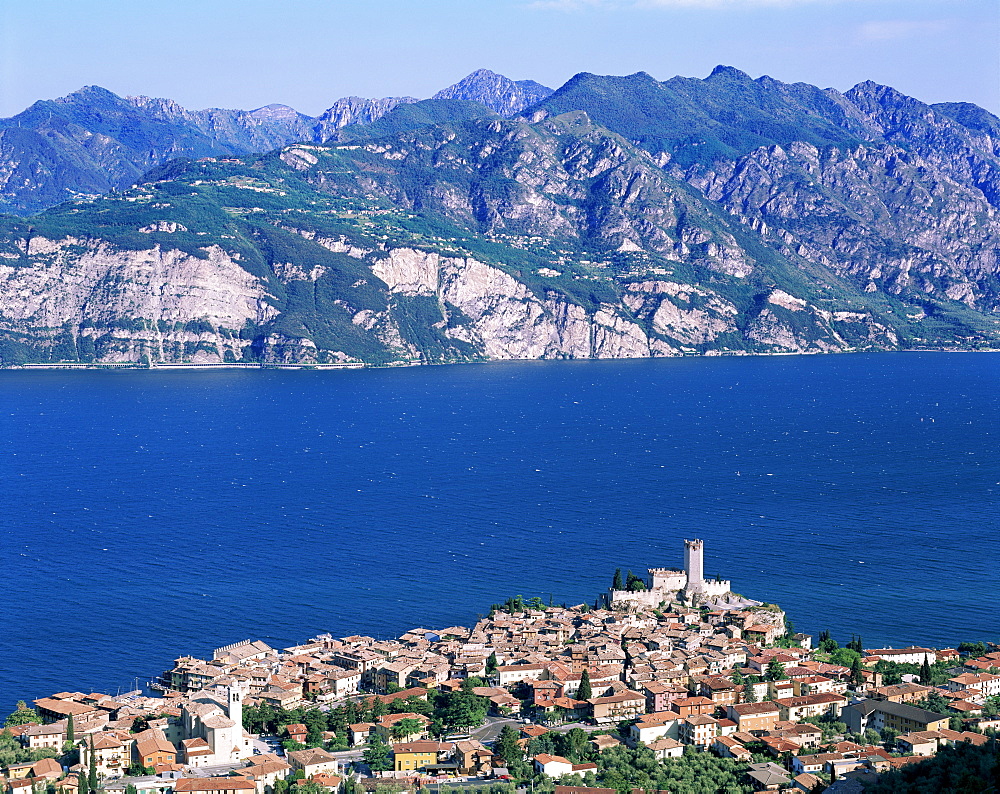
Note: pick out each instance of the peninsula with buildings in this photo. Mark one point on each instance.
(669, 682)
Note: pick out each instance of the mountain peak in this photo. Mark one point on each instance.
(729, 71)
(499, 93)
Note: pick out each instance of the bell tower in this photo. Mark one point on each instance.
(236, 706)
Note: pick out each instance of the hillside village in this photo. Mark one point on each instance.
(669, 677)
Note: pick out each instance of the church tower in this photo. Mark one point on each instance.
(236, 706)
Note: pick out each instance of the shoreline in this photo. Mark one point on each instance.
(354, 365)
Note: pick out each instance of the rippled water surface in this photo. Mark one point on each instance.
(150, 514)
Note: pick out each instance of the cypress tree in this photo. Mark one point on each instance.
(856, 677)
(925, 672)
(749, 693)
(492, 663)
(70, 733)
(585, 692)
(618, 583)
(92, 773)
(81, 784)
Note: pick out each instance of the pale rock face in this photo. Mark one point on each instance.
(89, 286)
(508, 321)
(104, 284)
(786, 301)
(408, 271)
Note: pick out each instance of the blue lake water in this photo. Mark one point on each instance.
(151, 514)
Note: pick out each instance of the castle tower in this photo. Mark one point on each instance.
(694, 565)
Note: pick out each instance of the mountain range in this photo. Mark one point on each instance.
(612, 217)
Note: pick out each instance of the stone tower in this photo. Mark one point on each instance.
(694, 565)
(236, 706)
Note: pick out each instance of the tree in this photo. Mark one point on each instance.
(379, 709)
(775, 671)
(634, 583)
(585, 692)
(507, 747)
(856, 677)
(972, 648)
(70, 730)
(463, 709)
(844, 657)
(617, 583)
(406, 727)
(492, 663)
(92, 771)
(749, 693)
(22, 715)
(925, 672)
(81, 784)
(377, 754)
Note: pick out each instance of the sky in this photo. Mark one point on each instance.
(308, 53)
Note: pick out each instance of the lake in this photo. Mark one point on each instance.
(152, 514)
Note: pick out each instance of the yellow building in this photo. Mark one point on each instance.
(416, 756)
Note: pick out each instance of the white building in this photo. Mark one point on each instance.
(217, 717)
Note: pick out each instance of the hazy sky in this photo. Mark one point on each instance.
(307, 53)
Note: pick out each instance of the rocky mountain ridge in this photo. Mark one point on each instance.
(443, 231)
(93, 141)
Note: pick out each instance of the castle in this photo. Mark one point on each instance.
(666, 585)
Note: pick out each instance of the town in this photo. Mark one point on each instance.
(665, 681)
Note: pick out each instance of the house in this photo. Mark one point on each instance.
(767, 777)
(806, 782)
(686, 707)
(46, 769)
(665, 747)
(911, 655)
(297, 732)
(265, 771)
(358, 733)
(112, 751)
(754, 717)
(901, 717)
(417, 756)
(472, 758)
(152, 748)
(698, 730)
(509, 675)
(615, 708)
(555, 766)
(195, 752)
(387, 727)
(899, 693)
(794, 709)
(213, 785)
(729, 747)
(19, 771)
(813, 763)
(650, 727)
(331, 783)
(54, 709)
(919, 742)
(312, 761)
(604, 742)
(985, 683)
(51, 735)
